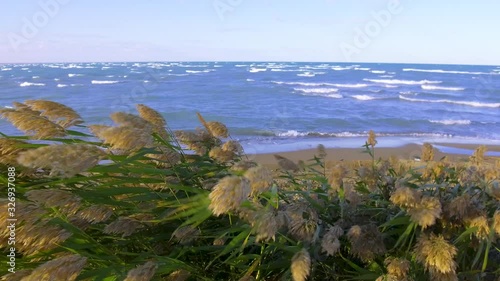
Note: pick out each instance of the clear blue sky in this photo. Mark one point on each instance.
(418, 31)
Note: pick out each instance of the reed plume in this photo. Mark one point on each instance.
(286, 164)
(216, 129)
(34, 125)
(123, 225)
(330, 243)
(130, 120)
(426, 211)
(435, 253)
(301, 265)
(151, 115)
(397, 267)
(67, 202)
(10, 150)
(95, 213)
(261, 179)
(186, 234)
(478, 155)
(427, 152)
(65, 160)
(56, 112)
(372, 138)
(64, 268)
(228, 194)
(143, 272)
(179, 275)
(123, 139)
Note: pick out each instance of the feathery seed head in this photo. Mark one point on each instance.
(65, 160)
(286, 164)
(95, 214)
(242, 166)
(261, 179)
(143, 272)
(301, 265)
(265, 225)
(435, 253)
(130, 120)
(221, 155)
(123, 225)
(405, 197)
(397, 267)
(151, 115)
(67, 202)
(321, 151)
(366, 241)
(496, 222)
(10, 150)
(56, 112)
(372, 138)
(63, 268)
(229, 193)
(483, 228)
(179, 275)
(478, 156)
(36, 126)
(124, 139)
(233, 146)
(426, 211)
(427, 152)
(330, 242)
(185, 234)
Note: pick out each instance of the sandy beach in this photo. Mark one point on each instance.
(405, 152)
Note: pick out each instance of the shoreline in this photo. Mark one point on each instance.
(453, 151)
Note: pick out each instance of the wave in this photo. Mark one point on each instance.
(432, 87)
(254, 70)
(250, 80)
(378, 71)
(173, 74)
(317, 90)
(314, 84)
(451, 122)
(294, 133)
(73, 75)
(338, 68)
(363, 97)
(240, 65)
(402, 82)
(307, 74)
(467, 103)
(98, 82)
(362, 68)
(35, 77)
(448, 71)
(29, 84)
(285, 70)
(6, 69)
(61, 85)
(200, 71)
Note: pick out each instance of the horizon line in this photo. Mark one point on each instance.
(250, 61)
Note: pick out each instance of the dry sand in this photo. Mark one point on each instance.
(406, 152)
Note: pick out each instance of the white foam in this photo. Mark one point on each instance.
(447, 71)
(98, 82)
(306, 74)
(28, 84)
(339, 68)
(240, 65)
(61, 85)
(35, 77)
(6, 69)
(73, 75)
(254, 70)
(362, 68)
(363, 97)
(378, 71)
(173, 74)
(314, 84)
(432, 87)
(402, 82)
(317, 90)
(467, 103)
(451, 122)
(250, 80)
(200, 71)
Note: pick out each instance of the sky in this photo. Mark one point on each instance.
(404, 31)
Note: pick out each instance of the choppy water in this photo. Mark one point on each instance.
(280, 104)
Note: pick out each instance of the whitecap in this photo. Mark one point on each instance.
(317, 90)
(467, 103)
(28, 84)
(306, 74)
(254, 70)
(61, 85)
(378, 71)
(432, 87)
(73, 75)
(363, 97)
(451, 122)
(104, 82)
(403, 82)
(448, 71)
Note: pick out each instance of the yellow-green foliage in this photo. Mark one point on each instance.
(140, 202)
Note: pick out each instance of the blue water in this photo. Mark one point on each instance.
(278, 105)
